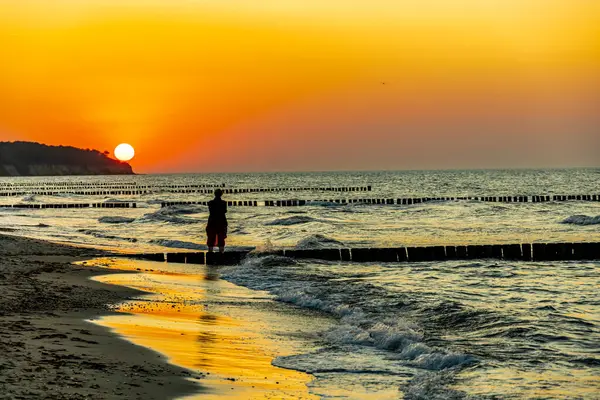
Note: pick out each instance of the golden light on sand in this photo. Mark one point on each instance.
(124, 152)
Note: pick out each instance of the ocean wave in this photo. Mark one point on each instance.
(358, 308)
(178, 244)
(343, 360)
(155, 201)
(182, 210)
(238, 231)
(171, 215)
(101, 235)
(271, 261)
(433, 386)
(318, 241)
(115, 220)
(582, 220)
(295, 220)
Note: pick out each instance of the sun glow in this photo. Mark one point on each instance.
(124, 152)
(422, 75)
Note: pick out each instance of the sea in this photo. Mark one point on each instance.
(477, 329)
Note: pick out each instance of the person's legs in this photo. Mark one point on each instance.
(211, 238)
(221, 243)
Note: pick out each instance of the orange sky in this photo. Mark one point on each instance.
(229, 85)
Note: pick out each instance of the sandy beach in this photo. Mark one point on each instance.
(79, 323)
(48, 349)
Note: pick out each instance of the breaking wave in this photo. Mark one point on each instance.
(357, 325)
(318, 241)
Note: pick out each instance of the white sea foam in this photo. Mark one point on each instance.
(582, 220)
(356, 326)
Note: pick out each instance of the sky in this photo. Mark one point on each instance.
(306, 85)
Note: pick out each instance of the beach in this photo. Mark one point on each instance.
(49, 350)
(76, 329)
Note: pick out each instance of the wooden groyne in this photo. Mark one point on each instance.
(71, 205)
(400, 201)
(300, 203)
(122, 185)
(509, 252)
(189, 189)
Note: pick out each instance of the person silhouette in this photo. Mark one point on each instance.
(216, 228)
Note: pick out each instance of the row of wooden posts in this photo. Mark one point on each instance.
(284, 203)
(509, 252)
(124, 185)
(72, 205)
(405, 201)
(140, 191)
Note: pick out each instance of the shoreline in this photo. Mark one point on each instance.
(49, 348)
(226, 332)
(77, 326)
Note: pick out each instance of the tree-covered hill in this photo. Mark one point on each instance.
(36, 159)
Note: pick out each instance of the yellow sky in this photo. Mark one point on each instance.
(162, 73)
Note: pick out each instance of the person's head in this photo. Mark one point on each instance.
(218, 193)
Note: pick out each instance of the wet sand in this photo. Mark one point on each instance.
(48, 349)
(229, 333)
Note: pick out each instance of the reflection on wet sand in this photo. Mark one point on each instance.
(211, 327)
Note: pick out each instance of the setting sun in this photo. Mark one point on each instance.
(124, 152)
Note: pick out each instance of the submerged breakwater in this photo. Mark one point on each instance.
(516, 252)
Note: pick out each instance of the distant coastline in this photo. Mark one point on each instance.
(37, 159)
